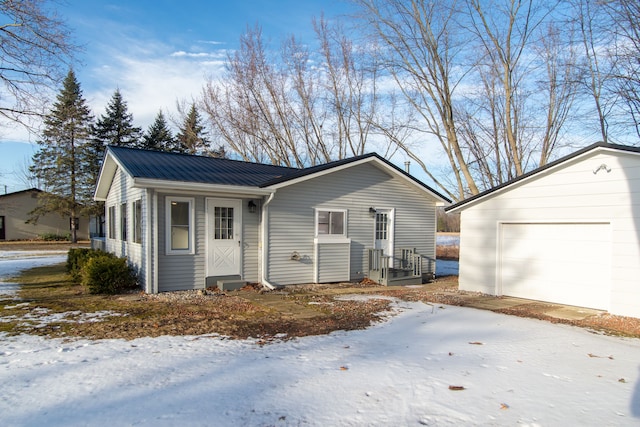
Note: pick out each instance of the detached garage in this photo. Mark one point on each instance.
(568, 232)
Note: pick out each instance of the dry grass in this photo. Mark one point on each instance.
(447, 252)
(48, 290)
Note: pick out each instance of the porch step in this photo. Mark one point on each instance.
(213, 280)
(230, 285)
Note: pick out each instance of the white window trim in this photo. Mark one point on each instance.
(136, 222)
(123, 235)
(112, 233)
(331, 237)
(192, 203)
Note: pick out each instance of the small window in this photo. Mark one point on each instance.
(111, 218)
(180, 225)
(137, 221)
(223, 223)
(123, 222)
(330, 223)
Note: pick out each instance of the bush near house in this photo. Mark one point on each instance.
(100, 272)
(53, 237)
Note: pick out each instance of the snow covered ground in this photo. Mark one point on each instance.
(398, 372)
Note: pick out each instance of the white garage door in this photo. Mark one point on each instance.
(559, 262)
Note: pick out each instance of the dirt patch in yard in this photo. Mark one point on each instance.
(49, 304)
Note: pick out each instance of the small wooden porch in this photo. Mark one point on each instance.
(394, 271)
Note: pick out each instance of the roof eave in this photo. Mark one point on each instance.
(159, 184)
(534, 174)
(107, 172)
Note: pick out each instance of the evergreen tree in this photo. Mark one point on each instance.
(60, 161)
(159, 136)
(116, 126)
(192, 137)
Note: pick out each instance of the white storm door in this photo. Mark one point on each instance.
(383, 232)
(224, 237)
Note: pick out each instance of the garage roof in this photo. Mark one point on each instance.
(504, 186)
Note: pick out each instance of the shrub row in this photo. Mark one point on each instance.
(100, 272)
(53, 237)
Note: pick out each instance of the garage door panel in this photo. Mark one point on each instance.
(564, 263)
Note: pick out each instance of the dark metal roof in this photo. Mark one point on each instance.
(188, 168)
(580, 152)
(210, 170)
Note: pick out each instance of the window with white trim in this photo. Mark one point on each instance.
(123, 222)
(111, 218)
(180, 225)
(331, 223)
(137, 221)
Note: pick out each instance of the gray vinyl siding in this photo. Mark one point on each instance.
(356, 189)
(178, 272)
(331, 262)
(250, 243)
(188, 271)
(119, 193)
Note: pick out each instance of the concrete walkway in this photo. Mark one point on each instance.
(277, 300)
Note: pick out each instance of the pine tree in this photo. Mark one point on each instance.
(116, 126)
(60, 161)
(159, 136)
(192, 137)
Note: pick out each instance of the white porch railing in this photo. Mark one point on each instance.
(406, 270)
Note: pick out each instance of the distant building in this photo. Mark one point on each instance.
(14, 212)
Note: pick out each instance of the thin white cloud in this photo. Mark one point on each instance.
(183, 54)
(213, 42)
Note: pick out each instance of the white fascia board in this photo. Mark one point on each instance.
(378, 163)
(158, 184)
(543, 172)
(107, 172)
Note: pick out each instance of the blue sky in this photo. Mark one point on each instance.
(158, 52)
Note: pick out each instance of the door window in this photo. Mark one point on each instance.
(223, 220)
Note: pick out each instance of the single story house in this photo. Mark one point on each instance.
(568, 232)
(14, 212)
(186, 222)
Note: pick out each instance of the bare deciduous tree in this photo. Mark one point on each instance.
(625, 16)
(276, 107)
(35, 46)
(492, 82)
(420, 48)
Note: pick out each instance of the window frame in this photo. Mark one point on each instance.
(123, 222)
(329, 235)
(136, 217)
(190, 250)
(111, 218)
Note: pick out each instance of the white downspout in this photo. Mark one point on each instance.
(265, 232)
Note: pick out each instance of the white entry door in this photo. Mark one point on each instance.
(224, 240)
(383, 232)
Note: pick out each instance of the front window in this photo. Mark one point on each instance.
(330, 222)
(112, 222)
(123, 221)
(137, 221)
(180, 225)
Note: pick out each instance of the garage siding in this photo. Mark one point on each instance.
(568, 193)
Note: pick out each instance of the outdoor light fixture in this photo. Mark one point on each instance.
(252, 206)
(602, 167)
(372, 212)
